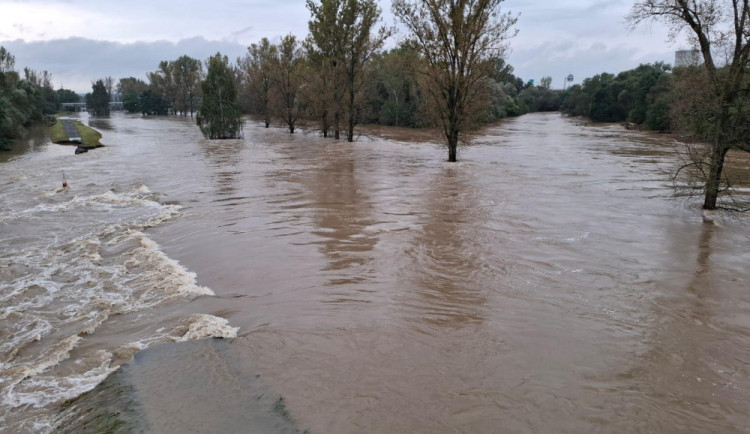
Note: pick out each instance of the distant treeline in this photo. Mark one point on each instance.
(27, 98)
(391, 93)
(641, 96)
(659, 98)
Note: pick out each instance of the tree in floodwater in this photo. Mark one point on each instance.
(360, 42)
(162, 82)
(342, 40)
(257, 77)
(287, 68)
(459, 40)
(325, 47)
(67, 96)
(97, 102)
(151, 103)
(219, 116)
(717, 27)
(187, 73)
(131, 88)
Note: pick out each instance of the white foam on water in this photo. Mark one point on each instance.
(206, 326)
(60, 285)
(34, 388)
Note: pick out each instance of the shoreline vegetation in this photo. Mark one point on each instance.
(89, 136)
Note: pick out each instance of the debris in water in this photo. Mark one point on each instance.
(65, 182)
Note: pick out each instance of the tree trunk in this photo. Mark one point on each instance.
(324, 127)
(718, 153)
(350, 129)
(452, 145)
(336, 132)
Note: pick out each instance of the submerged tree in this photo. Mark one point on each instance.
(360, 42)
(255, 68)
(287, 75)
(97, 102)
(187, 73)
(325, 47)
(219, 116)
(459, 40)
(717, 27)
(342, 40)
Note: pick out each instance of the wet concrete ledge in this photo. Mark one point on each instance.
(197, 386)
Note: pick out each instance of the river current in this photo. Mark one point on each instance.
(548, 282)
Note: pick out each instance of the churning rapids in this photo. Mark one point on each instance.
(549, 282)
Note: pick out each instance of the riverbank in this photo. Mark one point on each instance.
(89, 137)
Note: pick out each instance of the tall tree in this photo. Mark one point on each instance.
(219, 116)
(717, 27)
(256, 76)
(162, 81)
(130, 89)
(7, 60)
(459, 40)
(97, 102)
(287, 75)
(187, 73)
(358, 19)
(325, 47)
(67, 95)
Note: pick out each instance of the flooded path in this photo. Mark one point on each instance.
(548, 282)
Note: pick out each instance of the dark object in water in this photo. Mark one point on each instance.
(81, 150)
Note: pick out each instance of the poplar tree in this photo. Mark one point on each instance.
(459, 40)
(287, 65)
(256, 75)
(342, 40)
(219, 116)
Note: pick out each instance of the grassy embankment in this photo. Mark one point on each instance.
(89, 136)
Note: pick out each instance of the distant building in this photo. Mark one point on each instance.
(687, 58)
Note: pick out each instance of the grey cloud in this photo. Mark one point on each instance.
(75, 62)
(558, 59)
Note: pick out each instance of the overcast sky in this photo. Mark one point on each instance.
(81, 40)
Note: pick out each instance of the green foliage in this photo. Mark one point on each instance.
(7, 60)
(23, 100)
(97, 102)
(131, 102)
(131, 89)
(219, 115)
(287, 68)
(627, 96)
(257, 79)
(67, 96)
(151, 103)
(393, 95)
(539, 99)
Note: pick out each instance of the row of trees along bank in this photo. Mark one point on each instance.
(707, 105)
(27, 98)
(449, 74)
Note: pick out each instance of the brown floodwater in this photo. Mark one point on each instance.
(548, 282)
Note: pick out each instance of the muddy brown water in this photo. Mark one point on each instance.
(548, 282)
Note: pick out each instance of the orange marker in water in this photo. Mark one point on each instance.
(65, 183)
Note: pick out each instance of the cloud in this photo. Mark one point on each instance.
(234, 35)
(75, 62)
(79, 41)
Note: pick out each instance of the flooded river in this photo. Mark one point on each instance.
(548, 282)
